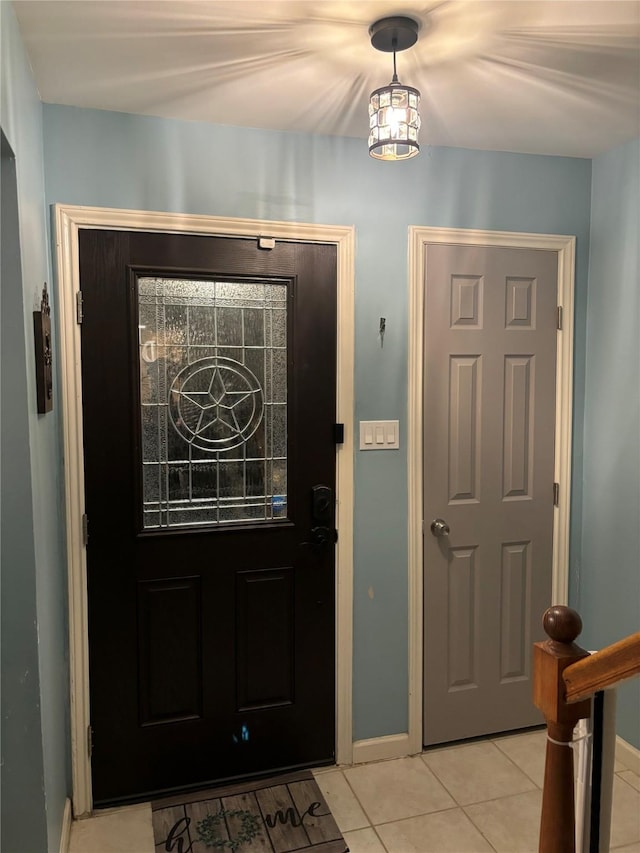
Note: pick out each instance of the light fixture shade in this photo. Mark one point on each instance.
(394, 122)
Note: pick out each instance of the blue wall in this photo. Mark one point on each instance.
(609, 575)
(34, 668)
(116, 160)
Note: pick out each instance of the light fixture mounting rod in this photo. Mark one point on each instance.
(394, 34)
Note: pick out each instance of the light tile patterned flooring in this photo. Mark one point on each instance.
(477, 797)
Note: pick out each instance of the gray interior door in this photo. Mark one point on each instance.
(489, 424)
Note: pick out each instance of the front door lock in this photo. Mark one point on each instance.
(323, 536)
(321, 504)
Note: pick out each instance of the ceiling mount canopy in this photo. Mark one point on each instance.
(394, 120)
(394, 34)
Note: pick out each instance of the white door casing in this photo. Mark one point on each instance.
(68, 220)
(420, 238)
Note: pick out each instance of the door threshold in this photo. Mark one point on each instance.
(482, 738)
(166, 793)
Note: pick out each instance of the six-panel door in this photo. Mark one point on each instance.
(489, 418)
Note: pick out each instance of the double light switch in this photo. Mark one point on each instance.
(379, 435)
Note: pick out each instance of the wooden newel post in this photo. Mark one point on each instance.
(550, 659)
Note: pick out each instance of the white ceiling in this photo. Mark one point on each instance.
(541, 77)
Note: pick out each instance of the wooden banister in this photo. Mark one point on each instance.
(610, 666)
(564, 679)
(550, 659)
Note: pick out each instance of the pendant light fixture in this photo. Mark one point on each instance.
(394, 120)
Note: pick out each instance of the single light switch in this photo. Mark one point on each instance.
(368, 435)
(379, 435)
(391, 433)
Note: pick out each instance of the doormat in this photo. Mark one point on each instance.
(276, 815)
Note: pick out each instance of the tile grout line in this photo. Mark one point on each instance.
(463, 808)
(490, 799)
(456, 808)
(355, 796)
(521, 769)
(477, 828)
(633, 788)
(503, 797)
(365, 812)
(458, 805)
(435, 775)
(421, 814)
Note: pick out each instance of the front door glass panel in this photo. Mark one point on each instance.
(213, 399)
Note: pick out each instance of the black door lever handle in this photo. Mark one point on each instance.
(323, 536)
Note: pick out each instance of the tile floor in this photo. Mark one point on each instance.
(471, 798)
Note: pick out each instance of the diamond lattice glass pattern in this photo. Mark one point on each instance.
(213, 391)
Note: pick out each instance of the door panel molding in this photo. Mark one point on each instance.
(68, 220)
(419, 240)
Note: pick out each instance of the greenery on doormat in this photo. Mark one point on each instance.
(208, 829)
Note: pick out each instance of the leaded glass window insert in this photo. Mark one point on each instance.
(213, 393)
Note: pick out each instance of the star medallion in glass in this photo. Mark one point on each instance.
(213, 393)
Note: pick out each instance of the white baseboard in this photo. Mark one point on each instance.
(381, 748)
(628, 755)
(65, 834)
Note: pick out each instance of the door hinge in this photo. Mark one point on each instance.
(90, 741)
(338, 433)
(85, 530)
(79, 310)
(559, 317)
(556, 494)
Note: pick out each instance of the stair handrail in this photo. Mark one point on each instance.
(606, 668)
(565, 677)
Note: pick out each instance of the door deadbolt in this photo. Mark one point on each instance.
(321, 505)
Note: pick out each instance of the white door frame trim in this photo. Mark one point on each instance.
(419, 240)
(68, 221)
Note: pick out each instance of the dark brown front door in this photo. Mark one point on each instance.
(208, 369)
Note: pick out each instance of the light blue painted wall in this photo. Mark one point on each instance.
(41, 530)
(117, 160)
(609, 576)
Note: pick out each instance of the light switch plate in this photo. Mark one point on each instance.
(379, 435)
